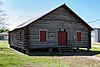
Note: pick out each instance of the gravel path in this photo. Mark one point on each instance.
(92, 57)
(15, 51)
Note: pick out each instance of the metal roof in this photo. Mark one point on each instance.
(3, 33)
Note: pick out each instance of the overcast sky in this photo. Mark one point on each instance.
(19, 11)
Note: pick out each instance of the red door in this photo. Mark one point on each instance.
(62, 38)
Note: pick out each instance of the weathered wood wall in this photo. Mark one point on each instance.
(15, 38)
(58, 19)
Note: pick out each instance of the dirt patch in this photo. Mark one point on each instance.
(16, 51)
(92, 57)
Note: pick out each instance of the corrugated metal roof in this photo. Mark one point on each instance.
(31, 20)
(26, 23)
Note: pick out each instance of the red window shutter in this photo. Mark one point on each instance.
(42, 36)
(79, 36)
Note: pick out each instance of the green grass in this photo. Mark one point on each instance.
(94, 51)
(96, 47)
(4, 44)
(96, 44)
(10, 58)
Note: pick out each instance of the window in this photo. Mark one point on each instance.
(79, 36)
(20, 36)
(42, 35)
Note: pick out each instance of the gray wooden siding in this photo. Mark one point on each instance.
(59, 19)
(15, 39)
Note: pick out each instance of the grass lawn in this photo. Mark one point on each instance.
(96, 47)
(10, 58)
(4, 44)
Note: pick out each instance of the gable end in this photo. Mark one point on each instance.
(26, 24)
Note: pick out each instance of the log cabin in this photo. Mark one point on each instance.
(60, 29)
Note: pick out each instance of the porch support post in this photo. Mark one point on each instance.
(50, 49)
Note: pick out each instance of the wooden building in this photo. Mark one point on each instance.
(59, 29)
(3, 36)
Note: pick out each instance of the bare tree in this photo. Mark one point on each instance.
(3, 17)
